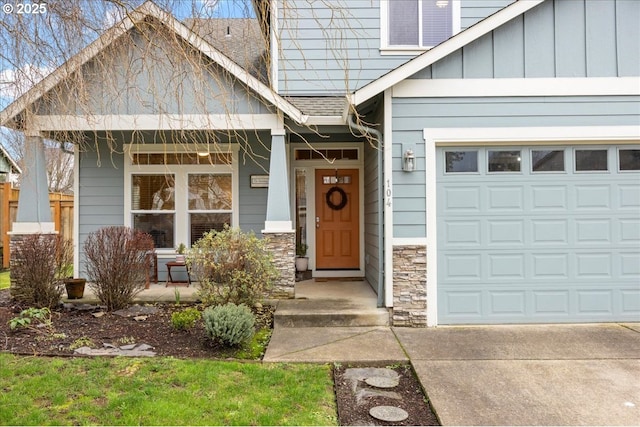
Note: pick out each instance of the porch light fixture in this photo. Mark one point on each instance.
(409, 161)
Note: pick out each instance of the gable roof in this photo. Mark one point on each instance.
(149, 9)
(442, 50)
(14, 165)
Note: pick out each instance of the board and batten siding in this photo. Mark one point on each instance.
(412, 115)
(141, 78)
(329, 48)
(558, 38)
(101, 192)
(253, 201)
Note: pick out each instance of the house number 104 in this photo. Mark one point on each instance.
(388, 194)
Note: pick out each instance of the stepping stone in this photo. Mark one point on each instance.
(391, 414)
(383, 382)
(365, 394)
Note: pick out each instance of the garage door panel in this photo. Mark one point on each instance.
(550, 266)
(630, 265)
(505, 232)
(506, 266)
(549, 198)
(593, 231)
(592, 197)
(595, 302)
(505, 199)
(593, 266)
(629, 196)
(462, 233)
(550, 232)
(630, 231)
(538, 247)
(550, 302)
(462, 199)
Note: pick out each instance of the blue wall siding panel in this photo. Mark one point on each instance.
(539, 41)
(372, 208)
(253, 201)
(508, 49)
(101, 193)
(628, 37)
(478, 59)
(601, 38)
(570, 52)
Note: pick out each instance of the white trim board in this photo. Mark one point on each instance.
(430, 88)
(486, 136)
(156, 122)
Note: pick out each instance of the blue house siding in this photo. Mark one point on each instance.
(412, 115)
(555, 39)
(152, 83)
(372, 210)
(101, 193)
(330, 50)
(253, 201)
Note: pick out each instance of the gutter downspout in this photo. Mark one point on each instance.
(378, 135)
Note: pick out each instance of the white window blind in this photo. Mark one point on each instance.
(423, 23)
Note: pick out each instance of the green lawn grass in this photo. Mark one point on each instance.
(162, 391)
(4, 279)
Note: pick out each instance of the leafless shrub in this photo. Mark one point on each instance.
(39, 265)
(117, 264)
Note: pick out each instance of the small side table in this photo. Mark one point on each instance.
(170, 280)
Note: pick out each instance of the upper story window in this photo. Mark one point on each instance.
(418, 24)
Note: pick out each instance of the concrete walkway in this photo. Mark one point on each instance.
(496, 375)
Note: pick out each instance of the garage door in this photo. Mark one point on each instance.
(538, 234)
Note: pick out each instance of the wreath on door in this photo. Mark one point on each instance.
(343, 198)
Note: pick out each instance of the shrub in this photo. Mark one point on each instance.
(117, 264)
(229, 324)
(186, 318)
(231, 266)
(39, 267)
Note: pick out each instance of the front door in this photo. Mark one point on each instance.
(337, 219)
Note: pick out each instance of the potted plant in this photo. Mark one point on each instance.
(180, 250)
(74, 287)
(302, 261)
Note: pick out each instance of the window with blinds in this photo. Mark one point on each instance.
(419, 23)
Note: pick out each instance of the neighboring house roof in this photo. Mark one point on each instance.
(442, 50)
(10, 160)
(240, 39)
(149, 9)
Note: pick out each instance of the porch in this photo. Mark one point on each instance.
(317, 303)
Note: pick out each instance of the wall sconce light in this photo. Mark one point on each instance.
(409, 161)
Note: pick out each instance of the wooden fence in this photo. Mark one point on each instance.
(61, 213)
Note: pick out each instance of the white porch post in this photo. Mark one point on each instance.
(278, 228)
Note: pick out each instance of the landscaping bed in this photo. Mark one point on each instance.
(93, 327)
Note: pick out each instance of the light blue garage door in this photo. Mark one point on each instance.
(538, 234)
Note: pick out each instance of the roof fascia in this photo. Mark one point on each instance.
(442, 50)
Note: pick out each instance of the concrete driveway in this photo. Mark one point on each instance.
(529, 375)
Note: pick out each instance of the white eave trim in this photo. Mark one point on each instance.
(325, 120)
(442, 50)
(117, 122)
(565, 86)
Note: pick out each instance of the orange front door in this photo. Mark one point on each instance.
(337, 219)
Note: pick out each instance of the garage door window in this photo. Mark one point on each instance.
(461, 161)
(591, 160)
(547, 160)
(504, 161)
(629, 160)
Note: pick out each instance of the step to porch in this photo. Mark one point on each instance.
(302, 313)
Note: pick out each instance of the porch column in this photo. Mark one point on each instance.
(278, 228)
(34, 212)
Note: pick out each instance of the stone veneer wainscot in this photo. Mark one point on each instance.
(282, 247)
(410, 285)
